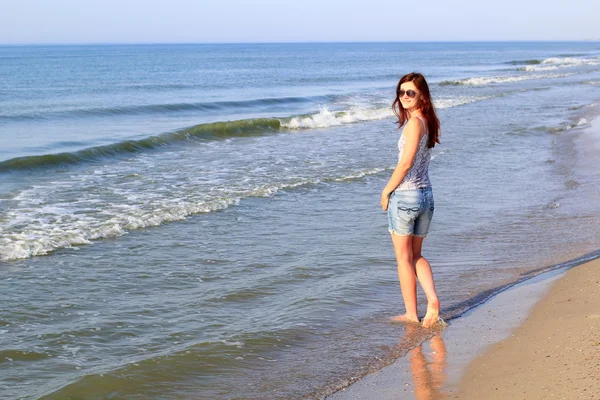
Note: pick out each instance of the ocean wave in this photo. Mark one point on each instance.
(571, 55)
(591, 105)
(524, 62)
(460, 101)
(152, 109)
(552, 64)
(49, 228)
(532, 68)
(565, 126)
(569, 62)
(560, 59)
(325, 118)
(480, 81)
(43, 239)
(210, 131)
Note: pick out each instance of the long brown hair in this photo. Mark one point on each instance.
(427, 108)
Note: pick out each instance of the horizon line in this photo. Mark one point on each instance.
(150, 43)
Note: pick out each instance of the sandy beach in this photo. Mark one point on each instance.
(554, 354)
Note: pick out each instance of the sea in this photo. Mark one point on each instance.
(202, 221)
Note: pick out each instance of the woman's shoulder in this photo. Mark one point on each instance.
(414, 126)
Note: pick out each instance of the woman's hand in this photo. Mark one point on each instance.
(385, 199)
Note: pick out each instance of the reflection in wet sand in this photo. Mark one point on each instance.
(428, 376)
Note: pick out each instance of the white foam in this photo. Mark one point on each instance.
(40, 237)
(361, 174)
(534, 68)
(30, 231)
(480, 81)
(566, 62)
(325, 118)
(562, 60)
(455, 102)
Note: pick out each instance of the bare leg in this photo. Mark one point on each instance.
(408, 278)
(425, 276)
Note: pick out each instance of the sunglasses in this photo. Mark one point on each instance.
(409, 93)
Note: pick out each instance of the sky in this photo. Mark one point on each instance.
(243, 21)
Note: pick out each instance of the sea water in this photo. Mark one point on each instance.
(203, 221)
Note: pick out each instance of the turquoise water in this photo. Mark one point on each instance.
(202, 221)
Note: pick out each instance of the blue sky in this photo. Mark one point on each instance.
(212, 21)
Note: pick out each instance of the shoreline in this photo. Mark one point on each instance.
(440, 366)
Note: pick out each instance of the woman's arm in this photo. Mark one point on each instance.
(413, 133)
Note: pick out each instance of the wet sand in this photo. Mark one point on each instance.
(554, 354)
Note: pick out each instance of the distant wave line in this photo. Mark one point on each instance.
(561, 58)
(524, 62)
(210, 131)
(163, 108)
(486, 80)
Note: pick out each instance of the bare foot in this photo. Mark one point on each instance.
(433, 314)
(404, 319)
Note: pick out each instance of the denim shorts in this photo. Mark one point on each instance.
(410, 212)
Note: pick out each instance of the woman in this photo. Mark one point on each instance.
(408, 196)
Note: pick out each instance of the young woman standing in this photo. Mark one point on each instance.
(408, 196)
